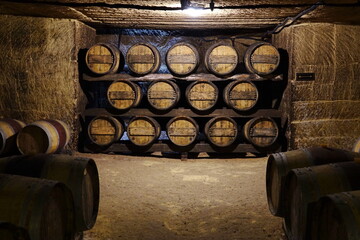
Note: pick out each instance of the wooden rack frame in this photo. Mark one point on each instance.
(166, 145)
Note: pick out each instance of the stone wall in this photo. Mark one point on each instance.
(325, 111)
(39, 77)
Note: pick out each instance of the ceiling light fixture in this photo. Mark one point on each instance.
(195, 9)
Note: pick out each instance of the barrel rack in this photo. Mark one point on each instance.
(125, 146)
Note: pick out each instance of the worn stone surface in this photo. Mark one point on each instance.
(168, 15)
(39, 76)
(326, 132)
(314, 110)
(157, 198)
(325, 110)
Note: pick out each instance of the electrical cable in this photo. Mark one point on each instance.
(291, 20)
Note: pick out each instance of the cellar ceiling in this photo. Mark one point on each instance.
(169, 14)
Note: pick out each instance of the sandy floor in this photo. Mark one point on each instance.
(156, 198)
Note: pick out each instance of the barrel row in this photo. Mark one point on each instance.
(47, 196)
(183, 59)
(241, 95)
(45, 136)
(183, 131)
(296, 180)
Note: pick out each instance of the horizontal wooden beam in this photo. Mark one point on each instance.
(193, 77)
(92, 112)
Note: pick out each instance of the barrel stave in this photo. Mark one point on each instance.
(124, 94)
(9, 129)
(80, 175)
(202, 95)
(103, 58)
(182, 131)
(262, 58)
(279, 164)
(163, 94)
(143, 131)
(44, 136)
(307, 185)
(241, 95)
(182, 59)
(261, 132)
(105, 130)
(43, 207)
(221, 131)
(221, 59)
(143, 59)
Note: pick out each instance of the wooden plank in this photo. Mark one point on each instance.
(182, 59)
(193, 77)
(182, 112)
(127, 147)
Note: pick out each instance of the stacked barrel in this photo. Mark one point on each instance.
(42, 136)
(316, 191)
(47, 196)
(180, 108)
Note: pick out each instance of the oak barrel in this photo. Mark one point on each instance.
(336, 216)
(221, 59)
(182, 131)
(9, 128)
(202, 95)
(105, 130)
(221, 131)
(44, 207)
(143, 58)
(44, 136)
(261, 132)
(307, 185)
(163, 94)
(241, 95)
(124, 94)
(143, 131)
(9, 231)
(182, 59)
(103, 58)
(279, 164)
(79, 174)
(262, 58)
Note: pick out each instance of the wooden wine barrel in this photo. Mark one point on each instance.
(9, 129)
(163, 94)
(124, 94)
(103, 58)
(105, 130)
(262, 58)
(45, 136)
(221, 59)
(336, 216)
(9, 231)
(202, 95)
(241, 95)
(221, 131)
(80, 175)
(306, 185)
(44, 207)
(143, 59)
(356, 147)
(261, 132)
(279, 165)
(143, 131)
(182, 59)
(182, 131)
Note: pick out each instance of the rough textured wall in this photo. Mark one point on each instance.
(325, 111)
(39, 76)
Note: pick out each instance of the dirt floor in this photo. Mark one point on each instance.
(157, 198)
